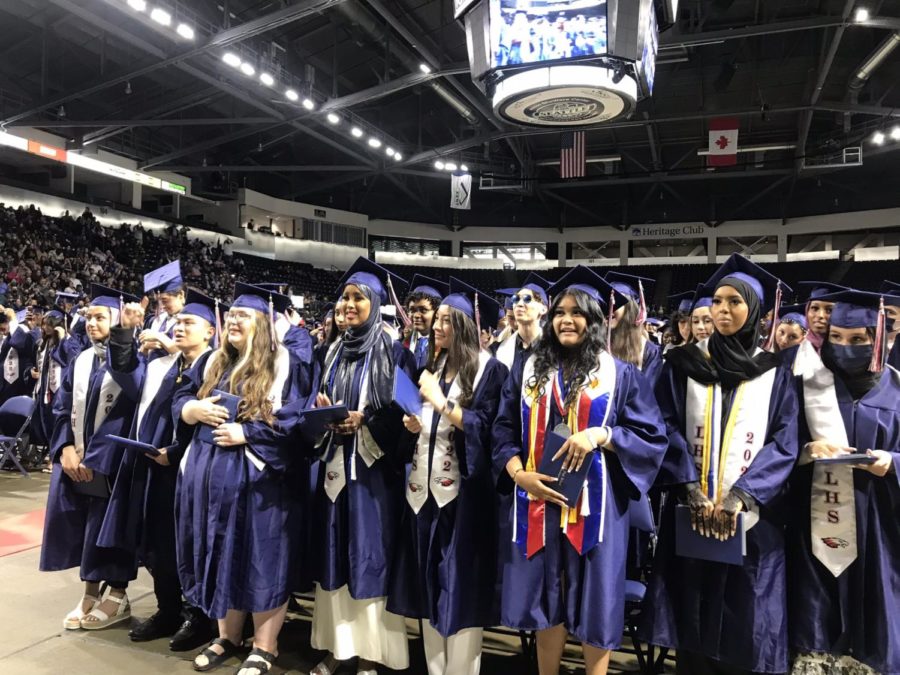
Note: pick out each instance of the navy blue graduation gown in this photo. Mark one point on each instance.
(591, 603)
(355, 537)
(734, 614)
(652, 362)
(446, 566)
(893, 358)
(856, 613)
(299, 343)
(147, 526)
(73, 521)
(239, 527)
(43, 421)
(22, 341)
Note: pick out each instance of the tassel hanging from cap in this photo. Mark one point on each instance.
(769, 345)
(609, 318)
(477, 322)
(642, 306)
(273, 336)
(876, 365)
(121, 308)
(217, 338)
(404, 318)
(156, 310)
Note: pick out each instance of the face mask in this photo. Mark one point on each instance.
(847, 359)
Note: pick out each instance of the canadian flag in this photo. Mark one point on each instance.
(723, 141)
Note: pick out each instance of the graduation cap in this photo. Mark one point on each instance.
(861, 309)
(507, 294)
(768, 288)
(478, 306)
(537, 284)
(685, 301)
(274, 286)
(55, 314)
(200, 305)
(653, 321)
(703, 296)
(20, 315)
(428, 286)
(248, 296)
(389, 314)
(104, 296)
(587, 280)
(327, 309)
(632, 287)
(817, 289)
(382, 281)
(62, 297)
(890, 287)
(794, 314)
(165, 279)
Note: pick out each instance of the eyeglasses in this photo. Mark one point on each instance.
(524, 298)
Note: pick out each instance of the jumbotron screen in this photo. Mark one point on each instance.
(535, 31)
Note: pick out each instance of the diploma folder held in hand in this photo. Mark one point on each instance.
(406, 394)
(229, 401)
(132, 444)
(691, 544)
(568, 483)
(316, 420)
(854, 459)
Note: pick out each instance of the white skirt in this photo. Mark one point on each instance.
(347, 628)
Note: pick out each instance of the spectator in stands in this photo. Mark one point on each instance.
(564, 562)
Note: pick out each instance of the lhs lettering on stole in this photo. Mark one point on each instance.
(831, 497)
(698, 449)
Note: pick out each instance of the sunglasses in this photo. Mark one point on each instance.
(524, 298)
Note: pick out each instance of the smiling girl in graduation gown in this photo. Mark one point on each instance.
(239, 500)
(360, 494)
(731, 417)
(564, 570)
(628, 337)
(89, 405)
(844, 527)
(446, 568)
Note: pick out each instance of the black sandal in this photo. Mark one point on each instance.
(259, 660)
(214, 659)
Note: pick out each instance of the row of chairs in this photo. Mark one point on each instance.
(15, 420)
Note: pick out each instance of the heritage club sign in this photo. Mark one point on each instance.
(667, 231)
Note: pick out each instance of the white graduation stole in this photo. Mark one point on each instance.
(723, 456)
(442, 478)
(109, 394)
(832, 503)
(506, 352)
(11, 363)
(53, 373)
(363, 444)
(156, 371)
(806, 359)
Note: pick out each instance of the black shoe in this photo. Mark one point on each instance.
(157, 626)
(196, 631)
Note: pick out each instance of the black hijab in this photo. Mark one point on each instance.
(731, 360)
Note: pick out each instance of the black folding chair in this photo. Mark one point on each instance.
(15, 416)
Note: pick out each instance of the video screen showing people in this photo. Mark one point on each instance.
(532, 31)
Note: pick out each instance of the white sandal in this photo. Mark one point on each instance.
(322, 668)
(102, 620)
(73, 618)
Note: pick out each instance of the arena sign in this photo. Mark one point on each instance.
(667, 231)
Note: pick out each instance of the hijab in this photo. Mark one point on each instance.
(731, 357)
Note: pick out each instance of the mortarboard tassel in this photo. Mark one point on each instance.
(776, 310)
(876, 365)
(273, 336)
(121, 308)
(402, 314)
(612, 309)
(642, 306)
(477, 322)
(217, 337)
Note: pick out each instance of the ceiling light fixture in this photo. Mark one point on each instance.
(137, 5)
(463, 167)
(878, 138)
(397, 156)
(128, 87)
(247, 69)
(308, 104)
(374, 142)
(862, 15)
(161, 16)
(357, 132)
(291, 95)
(231, 59)
(333, 119)
(895, 133)
(439, 165)
(425, 68)
(266, 79)
(389, 151)
(450, 166)
(185, 31)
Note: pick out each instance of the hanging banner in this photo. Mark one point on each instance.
(461, 191)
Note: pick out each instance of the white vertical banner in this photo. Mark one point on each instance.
(461, 191)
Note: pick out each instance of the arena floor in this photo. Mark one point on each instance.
(33, 605)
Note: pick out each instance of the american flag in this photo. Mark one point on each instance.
(572, 155)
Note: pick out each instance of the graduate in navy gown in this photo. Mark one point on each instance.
(791, 329)
(446, 567)
(701, 314)
(16, 356)
(891, 292)
(844, 525)
(89, 405)
(47, 376)
(167, 286)
(564, 563)
(817, 311)
(293, 337)
(239, 504)
(421, 304)
(529, 309)
(628, 339)
(359, 498)
(731, 417)
(147, 482)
